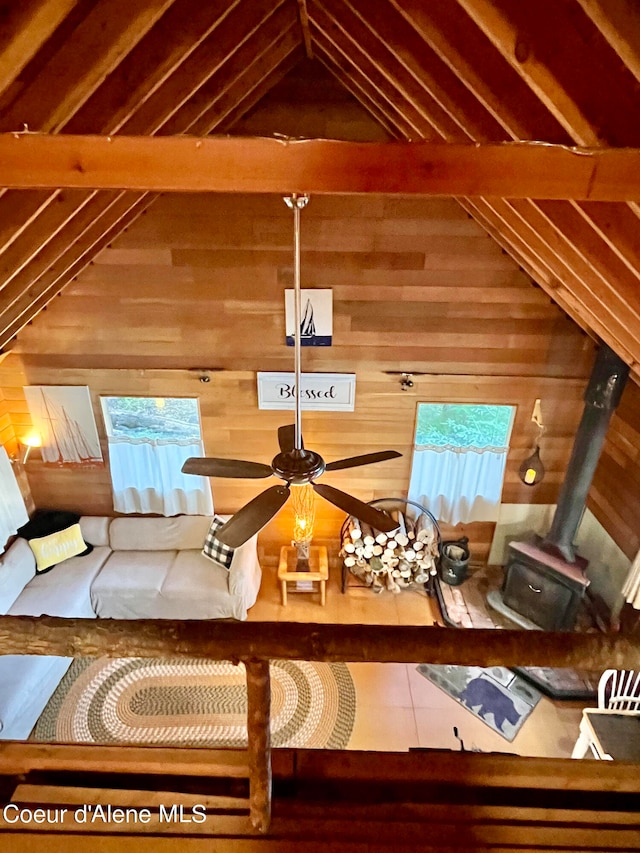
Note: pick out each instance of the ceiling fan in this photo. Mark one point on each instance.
(294, 464)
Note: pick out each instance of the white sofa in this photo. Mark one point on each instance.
(140, 568)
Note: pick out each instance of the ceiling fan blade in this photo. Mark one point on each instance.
(253, 516)
(287, 438)
(365, 459)
(209, 467)
(377, 519)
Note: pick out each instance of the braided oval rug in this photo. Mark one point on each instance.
(196, 703)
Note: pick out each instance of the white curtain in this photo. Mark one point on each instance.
(458, 484)
(146, 477)
(631, 588)
(13, 512)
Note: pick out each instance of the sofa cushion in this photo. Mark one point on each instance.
(190, 571)
(28, 682)
(17, 568)
(129, 583)
(216, 550)
(158, 534)
(65, 592)
(95, 529)
(57, 547)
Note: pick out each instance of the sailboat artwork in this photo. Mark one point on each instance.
(63, 417)
(316, 320)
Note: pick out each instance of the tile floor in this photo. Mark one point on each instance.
(397, 708)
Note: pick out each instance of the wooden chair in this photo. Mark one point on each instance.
(619, 690)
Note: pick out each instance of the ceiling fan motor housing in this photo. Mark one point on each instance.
(298, 466)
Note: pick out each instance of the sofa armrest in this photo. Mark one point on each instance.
(245, 573)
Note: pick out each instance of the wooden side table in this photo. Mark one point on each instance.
(318, 561)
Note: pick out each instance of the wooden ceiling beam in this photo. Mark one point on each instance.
(303, 14)
(25, 27)
(182, 164)
(219, 640)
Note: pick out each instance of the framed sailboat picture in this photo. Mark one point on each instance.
(316, 313)
(62, 416)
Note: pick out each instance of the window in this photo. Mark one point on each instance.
(149, 440)
(459, 459)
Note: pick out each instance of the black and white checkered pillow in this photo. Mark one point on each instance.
(216, 550)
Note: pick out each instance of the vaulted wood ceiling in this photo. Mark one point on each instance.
(555, 71)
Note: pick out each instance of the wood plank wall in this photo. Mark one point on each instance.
(615, 494)
(198, 282)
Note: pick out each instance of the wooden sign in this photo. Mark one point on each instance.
(327, 392)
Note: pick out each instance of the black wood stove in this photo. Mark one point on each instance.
(545, 579)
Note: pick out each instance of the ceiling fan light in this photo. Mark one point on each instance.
(304, 508)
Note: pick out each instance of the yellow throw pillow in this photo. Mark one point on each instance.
(53, 549)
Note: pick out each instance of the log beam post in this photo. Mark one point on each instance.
(259, 737)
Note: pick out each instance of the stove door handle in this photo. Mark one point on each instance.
(533, 589)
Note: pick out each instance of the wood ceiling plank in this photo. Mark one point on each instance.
(569, 63)
(177, 164)
(618, 225)
(72, 262)
(150, 63)
(171, 21)
(19, 211)
(535, 259)
(213, 67)
(619, 23)
(239, 98)
(37, 256)
(484, 71)
(47, 227)
(84, 210)
(504, 33)
(24, 27)
(577, 231)
(360, 87)
(605, 309)
(110, 30)
(363, 50)
(395, 37)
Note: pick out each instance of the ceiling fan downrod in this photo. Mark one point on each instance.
(296, 203)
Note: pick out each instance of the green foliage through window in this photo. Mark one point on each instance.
(463, 425)
(159, 418)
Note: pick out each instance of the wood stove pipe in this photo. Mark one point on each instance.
(606, 384)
